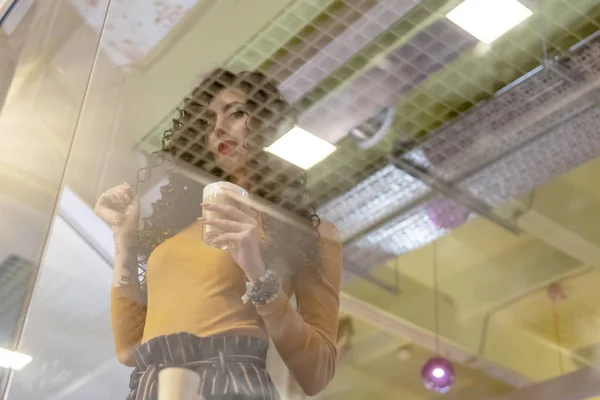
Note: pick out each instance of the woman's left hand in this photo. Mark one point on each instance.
(240, 233)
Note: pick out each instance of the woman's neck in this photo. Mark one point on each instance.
(241, 180)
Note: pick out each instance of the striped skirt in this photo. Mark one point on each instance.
(230, 367)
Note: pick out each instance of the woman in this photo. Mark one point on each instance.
(186, 309)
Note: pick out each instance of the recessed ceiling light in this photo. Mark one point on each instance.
(487, 20)
(13, 359)
(301, 148)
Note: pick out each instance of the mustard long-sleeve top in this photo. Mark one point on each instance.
(197, 289)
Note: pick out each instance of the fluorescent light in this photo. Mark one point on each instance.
(12, 359)
(301, 148)
(487, 20)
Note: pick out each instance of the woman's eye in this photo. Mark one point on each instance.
(238, 114)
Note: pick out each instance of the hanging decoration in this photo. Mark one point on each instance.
(446, 213)
(438, 373)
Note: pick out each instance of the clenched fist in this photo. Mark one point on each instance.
(120, 208)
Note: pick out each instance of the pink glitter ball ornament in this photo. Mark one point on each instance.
(438, 375)
(445, 213)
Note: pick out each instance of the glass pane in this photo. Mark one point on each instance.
(40, 96)
(453, 145)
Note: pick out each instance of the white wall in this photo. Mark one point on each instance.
(68, 329)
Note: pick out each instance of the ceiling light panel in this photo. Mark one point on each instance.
(301, 148)
(487, 20)
(13, 359)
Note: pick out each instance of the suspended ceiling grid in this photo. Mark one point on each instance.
(472, 76)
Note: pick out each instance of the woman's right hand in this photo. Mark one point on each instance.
(119, 207)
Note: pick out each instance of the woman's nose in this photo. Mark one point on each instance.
(220, 132)
(220, 129)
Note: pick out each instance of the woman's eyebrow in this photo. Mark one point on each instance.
(229, 106)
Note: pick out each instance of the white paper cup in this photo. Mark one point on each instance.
(213, 194)
(178, 384)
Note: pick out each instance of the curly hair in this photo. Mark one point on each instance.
(270, 178)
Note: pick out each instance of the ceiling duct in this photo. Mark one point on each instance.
(537, 128)
(370, 132)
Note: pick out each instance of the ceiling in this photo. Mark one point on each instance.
(508, 131)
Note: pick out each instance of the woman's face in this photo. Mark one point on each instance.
(228, 112)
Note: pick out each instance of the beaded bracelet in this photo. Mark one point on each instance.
(263, 291)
